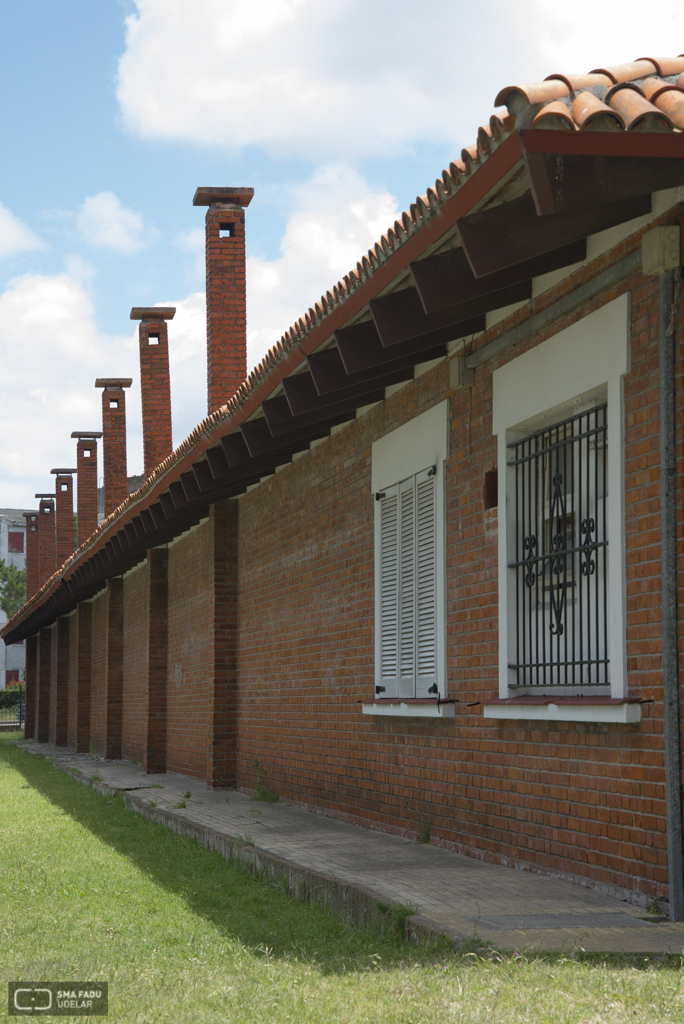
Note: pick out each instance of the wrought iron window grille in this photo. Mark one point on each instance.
(561, 553)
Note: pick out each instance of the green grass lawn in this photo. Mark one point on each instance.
(92, 892)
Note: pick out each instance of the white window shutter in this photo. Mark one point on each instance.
(407, 588)
(388, 604)
(426, 584)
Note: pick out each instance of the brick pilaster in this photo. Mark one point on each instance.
(155, 704)
(31, 686)
(114, 440)
(32, 552)
(46, 538)
(79, 723)
(64, 514)
(114, 670)
(42, 722)
(222, 738)
(59, 682)
(86, 465)
(226, 290)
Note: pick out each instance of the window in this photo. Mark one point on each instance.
(558, 415)
(408, 499)
(559, 557)
(408, 578)
(15, 542)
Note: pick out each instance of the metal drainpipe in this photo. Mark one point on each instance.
(673, 785)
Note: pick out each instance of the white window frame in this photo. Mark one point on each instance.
(411, 452)
(581, 365)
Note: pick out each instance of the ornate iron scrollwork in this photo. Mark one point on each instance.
(587, 563)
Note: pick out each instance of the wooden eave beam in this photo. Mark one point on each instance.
(281, 422)
(448, 276)
(304, 397)
(400, 316)
(509, 233)
(560, 182)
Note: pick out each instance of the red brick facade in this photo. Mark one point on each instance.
(250, 633)
(64, 516)
(114, 445)
(46, 540)
(226, 302)
(32, 553)
(155, 387)
(86, 464)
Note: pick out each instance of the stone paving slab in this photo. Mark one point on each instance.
(453, 894)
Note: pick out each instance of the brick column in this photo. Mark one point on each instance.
(31, 686)
(155, 385)
(42, 721)
(32, 552)
(114, 440)
(226, 290)
(46, 538)
(114, 670)
(59, 682)
(79, 724)
(222, 740)
(154, 760)
(86, 467)
(64, 513)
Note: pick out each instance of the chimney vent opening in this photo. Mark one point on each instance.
(86, 453)
(114, 403)
(226, 230)
(64, 487)
(152, 339)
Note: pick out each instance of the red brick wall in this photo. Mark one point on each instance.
(155, 390)
(72, 681)
(32, 554)
(46, 541)
(585, 800)
(114, 448)
(59, 682)
(31, 686)
(190, 651)
(226, 304)
(135, 618)
(87, 488)
(64, 517)
(98, 670)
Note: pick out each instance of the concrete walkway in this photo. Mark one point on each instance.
(452, 894)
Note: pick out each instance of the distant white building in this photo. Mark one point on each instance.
(13, 552)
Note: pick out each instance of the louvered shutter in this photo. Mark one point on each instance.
(387, 675)
(407, 588)
(426, 584)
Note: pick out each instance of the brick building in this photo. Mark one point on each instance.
(424, 562)
(12, 552)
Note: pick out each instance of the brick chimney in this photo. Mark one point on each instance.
(155, 384)
(32, 552)
(226, 293)
(86, 465)
(46, 537)
(64, 513)
(114, 440)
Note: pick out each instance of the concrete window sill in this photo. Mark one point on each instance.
(411, 707)
(565, 709)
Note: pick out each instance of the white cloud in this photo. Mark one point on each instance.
(322, 80)
(15, 236)
(336, 218)
(563, 44)
(51, 353)
(103, 221)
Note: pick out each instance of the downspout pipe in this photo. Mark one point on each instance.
(671, 728)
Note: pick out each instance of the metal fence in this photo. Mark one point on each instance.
(12, 717)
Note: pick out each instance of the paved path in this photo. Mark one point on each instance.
(459, 895)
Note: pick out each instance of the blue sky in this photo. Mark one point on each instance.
(337, 113)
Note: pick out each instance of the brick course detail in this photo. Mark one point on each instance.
(155, 390)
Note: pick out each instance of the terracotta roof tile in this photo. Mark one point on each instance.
(593, 115)
(666, 65)
(639, 115)
(555, 116)
(671, 102)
